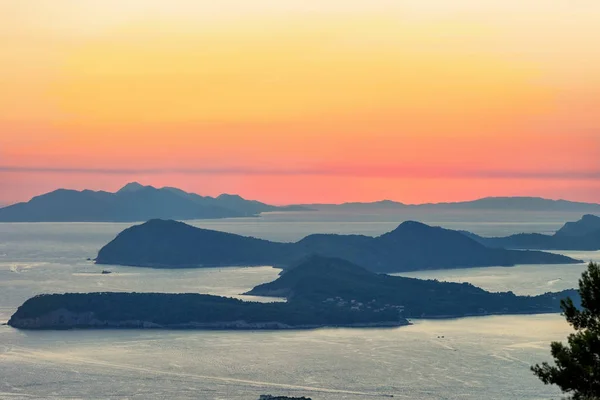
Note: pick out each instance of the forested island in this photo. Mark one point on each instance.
(411, 246)
(336, 281)
(187, 311)
(320, 292)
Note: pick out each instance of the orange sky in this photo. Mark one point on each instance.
(298, 101)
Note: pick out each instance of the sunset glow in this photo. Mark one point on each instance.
(300, 102)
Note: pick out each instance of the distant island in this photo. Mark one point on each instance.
(517, 203)
(133, 203)
(321, 292)
(136, 203)
(579, 235)
(411, 246)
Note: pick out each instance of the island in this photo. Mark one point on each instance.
(583, 234)
(320, 292)
(515, 203)
(133, 202)
(187, 311)
(411, 246)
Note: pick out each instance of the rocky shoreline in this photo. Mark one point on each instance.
(65, 319)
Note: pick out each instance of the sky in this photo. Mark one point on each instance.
(302, 101)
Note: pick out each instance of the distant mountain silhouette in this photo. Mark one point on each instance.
(411, 246)
(580, 235)
(133, 202)
(335, 281)
(486, 203)
(588, 224)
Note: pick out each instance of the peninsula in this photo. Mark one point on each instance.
(411, 246)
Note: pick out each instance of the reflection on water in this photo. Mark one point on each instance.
(476, 358)
(469, 358)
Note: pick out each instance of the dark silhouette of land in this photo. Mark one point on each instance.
(486, 203)
(411, 246)
(133, 202)
(321, 292)
(184, 311)
(579, 235)
(332, 280)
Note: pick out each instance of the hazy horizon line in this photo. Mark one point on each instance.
(4, 203)
(361, 171)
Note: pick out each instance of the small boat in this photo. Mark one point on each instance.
(105, 272)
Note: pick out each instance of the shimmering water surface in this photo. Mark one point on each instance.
(477, 358)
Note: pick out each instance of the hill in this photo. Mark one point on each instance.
(133, 202)
(588, 224)
(171, 244)
(579, 235)
(411, 246)
(335, 281)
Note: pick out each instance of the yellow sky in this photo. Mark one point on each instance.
(342, 85)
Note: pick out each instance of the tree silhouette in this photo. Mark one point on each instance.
(577, 364)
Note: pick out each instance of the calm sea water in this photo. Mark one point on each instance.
(477, 358)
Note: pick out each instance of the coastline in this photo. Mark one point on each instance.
(35, 324)
(492, 314)
(239, 325)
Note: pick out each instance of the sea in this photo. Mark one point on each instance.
(465, 358)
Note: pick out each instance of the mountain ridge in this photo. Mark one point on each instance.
(411, 246)
(132, 203)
